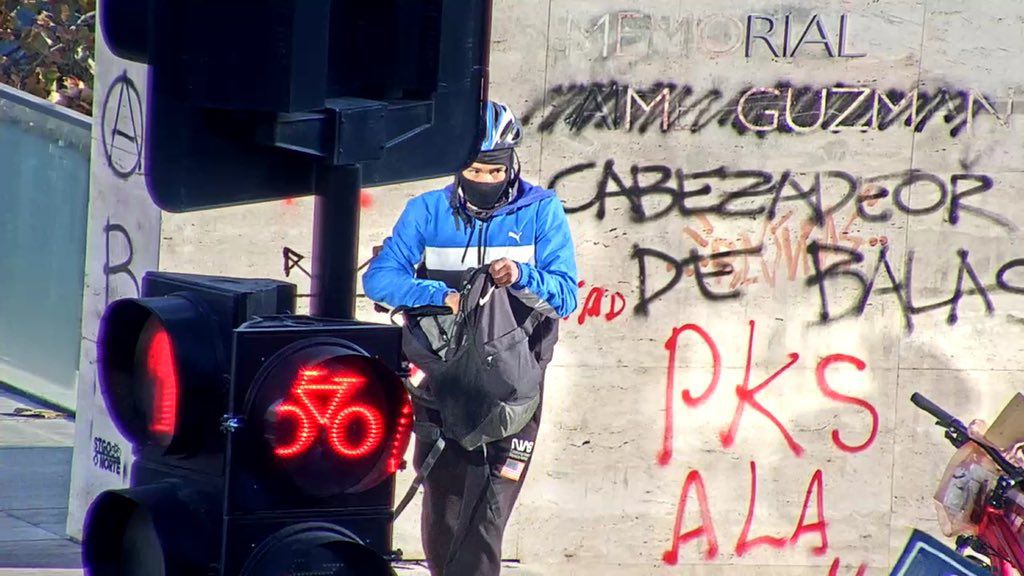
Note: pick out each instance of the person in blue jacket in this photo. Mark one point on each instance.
(491, 217)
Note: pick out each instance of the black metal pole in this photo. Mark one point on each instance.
(335, 241)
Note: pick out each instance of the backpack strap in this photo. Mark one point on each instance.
(418, 311)
(425, 468)
(425, 431)
(420, 396)
(531, 322)
(472, 499)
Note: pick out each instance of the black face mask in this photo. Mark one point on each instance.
(483, 195)
(487, 196)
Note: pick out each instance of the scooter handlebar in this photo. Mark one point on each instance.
(944, 418)
(957, 434)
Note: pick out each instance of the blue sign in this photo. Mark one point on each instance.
(927, 556)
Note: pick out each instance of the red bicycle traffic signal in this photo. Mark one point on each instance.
(345, 413)
(329, 399)
(322, 410)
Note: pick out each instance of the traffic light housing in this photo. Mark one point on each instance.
(246, 99)
(265, 443)
(325, 422)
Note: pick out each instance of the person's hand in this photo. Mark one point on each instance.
(504, 271)
(976, 429)
(452, 301)
(1015, 454)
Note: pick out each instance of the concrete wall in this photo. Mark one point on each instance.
(766, 278)
(122, 243)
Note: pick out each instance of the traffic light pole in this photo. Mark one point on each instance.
(335, 241)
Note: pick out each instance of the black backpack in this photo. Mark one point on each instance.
(480, 374)
(481, 377)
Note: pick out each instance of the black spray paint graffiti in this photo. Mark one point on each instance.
(124, 267)
(693, 261)
(902, 287)
(656, 191)
(106, 456)
(868, 284)
(651, 193)
(122, 122)
(293, 260)
(781, 108)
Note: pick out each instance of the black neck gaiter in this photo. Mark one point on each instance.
(488, 195)
(483, 195)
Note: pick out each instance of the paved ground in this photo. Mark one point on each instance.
(35, 472)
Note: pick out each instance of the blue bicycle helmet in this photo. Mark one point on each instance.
(502, 129)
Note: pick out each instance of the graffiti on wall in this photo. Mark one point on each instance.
(853, 436)
(653, 192)
(848, 240)
(293, 261)
(762, 110)
(600, 303)
(118, 246)
(107, 456)
(810, 232)
(122, 127)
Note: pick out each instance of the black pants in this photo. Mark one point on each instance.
(461, 482)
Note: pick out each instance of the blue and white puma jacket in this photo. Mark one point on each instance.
(429, 250)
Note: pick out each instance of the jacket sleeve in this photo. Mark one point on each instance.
(551, 284)
(391, 277)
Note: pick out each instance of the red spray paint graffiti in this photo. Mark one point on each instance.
(601, 303)
(365, 200)
(834, 569)
(744, 544)
(706, 528)
(746, 395)
(672, 344)
(784, 240)
(811, 525)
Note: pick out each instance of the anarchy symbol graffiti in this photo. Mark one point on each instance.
(122, 127)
